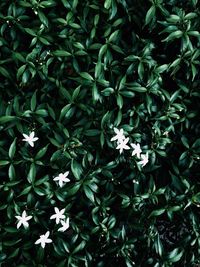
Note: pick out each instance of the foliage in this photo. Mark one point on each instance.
(71, 71)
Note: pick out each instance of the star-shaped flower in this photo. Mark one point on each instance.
(123, 145)
(65, 225)
(145, 159)
(119, 135)
(58, 215)
(30, 139)
(136, 150)
(22, 220)
(43, 240)
(62, 178)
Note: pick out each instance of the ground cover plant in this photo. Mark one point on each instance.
(99, 133)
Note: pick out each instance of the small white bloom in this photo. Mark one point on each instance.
(136, 150)
(119, 135)
(145, 159)
(43, 240)
(65, 225)
(22, 220)
(58, 215)
(123, 145)
(62, 178)
(30, 139)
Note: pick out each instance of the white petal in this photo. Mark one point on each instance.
(43, 244)
(56, 210)
(53, 217)
(38, 241)
(47, 234)
(66, 173)
(25, 136)
(126, 147)
(19, 224)
(113, 138)
(31, 143)
(116, 130)
(62, 211)
(35, 139)
(26, 224)
(24, 214)
(48, 240)
(32, 134)
(28, 217)
(60, 183)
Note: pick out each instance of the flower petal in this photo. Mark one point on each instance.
(31, 143)
(47, 234)
(19, 224)
(38, 241)
(28, 217)
(48, 240)
(32, 134)
(43, 244)
(26, 224)
(66, 173)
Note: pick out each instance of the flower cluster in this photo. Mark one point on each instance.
(59, 215)
(122, 144)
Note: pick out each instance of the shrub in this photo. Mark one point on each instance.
(73, 74)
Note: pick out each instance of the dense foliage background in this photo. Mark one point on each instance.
(72, 71)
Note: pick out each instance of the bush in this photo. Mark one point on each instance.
(74, 74)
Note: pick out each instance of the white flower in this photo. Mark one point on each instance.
(65, 225)
(145, 159)
(62, 178)
(123, 145)
(119, 137)
(43, 240)
(30, 139)
(22, 220)
(136, 150)
(58, 215)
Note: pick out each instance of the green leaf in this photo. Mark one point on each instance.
(89, 193)
(76, 169)
(4, 162)
(157, 212)
(32, 173)
(86, 76)
(41, 153)
(150, 14)
(12, 149)
(107, 4)
(5, 119)
(30, 31)
(175, 255)
(173, 36)
(43, 18)
(25, 191)
(61, 53)
(79, 247)
(33, 101)
(5, 73)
